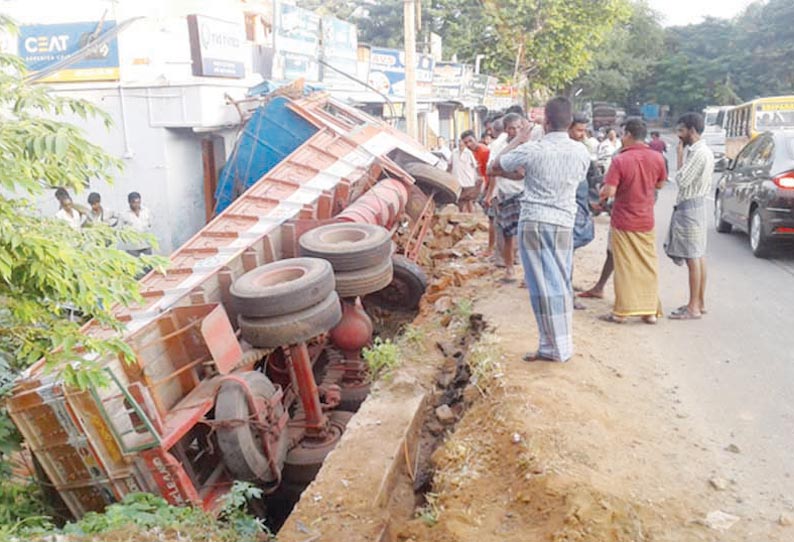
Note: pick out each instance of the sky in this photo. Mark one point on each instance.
(682, 12)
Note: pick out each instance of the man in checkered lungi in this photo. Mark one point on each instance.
(553, 168)
(506, 192)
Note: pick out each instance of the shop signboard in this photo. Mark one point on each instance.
(387, 72)
(42, 45)
(297, 43)
(449, 79)
(340, 50)
(217, 47)
(479, 87)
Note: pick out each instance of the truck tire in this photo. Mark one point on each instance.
(406, 288)
(240, 444)
(348, 246)
(293, 328)
(282, 287)
(305, 460)
(364, 281)
(431, 180)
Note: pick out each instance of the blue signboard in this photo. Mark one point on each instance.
(650, 111)
(42, 45)
(387, 72)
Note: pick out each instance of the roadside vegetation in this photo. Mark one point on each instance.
(52, 278)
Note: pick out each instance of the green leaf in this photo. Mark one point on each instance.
(61, 144)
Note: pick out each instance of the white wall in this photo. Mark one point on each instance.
(162, 102)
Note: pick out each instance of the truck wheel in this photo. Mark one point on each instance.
(282, 287)
(406, 288)
(347, 246)
(304, 461)
(293, 328)
(240, 443)
(364, 281)
(431, 179)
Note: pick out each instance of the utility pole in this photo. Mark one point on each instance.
(409, 22)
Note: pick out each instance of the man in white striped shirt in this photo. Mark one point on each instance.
(552, 169)
(686, 239)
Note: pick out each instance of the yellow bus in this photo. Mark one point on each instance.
(752, 118)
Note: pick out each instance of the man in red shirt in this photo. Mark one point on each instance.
(633, 178)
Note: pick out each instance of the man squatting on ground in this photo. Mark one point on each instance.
(553, 168)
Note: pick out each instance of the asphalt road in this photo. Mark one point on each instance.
(733, 371)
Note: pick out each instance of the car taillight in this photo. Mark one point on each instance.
(784, 180)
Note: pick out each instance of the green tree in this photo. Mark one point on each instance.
(45, 265)
(626, 58)
(550, 42)
(725, 61)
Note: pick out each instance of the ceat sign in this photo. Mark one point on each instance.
(42, 45)
(47, 44)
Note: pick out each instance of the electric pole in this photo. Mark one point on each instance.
(409, 22)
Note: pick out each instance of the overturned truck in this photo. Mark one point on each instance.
(247, 349)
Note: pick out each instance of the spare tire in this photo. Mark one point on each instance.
(293, 328)
(406, 288)
(444, 187)
(364, 281)
(348, 246)
(282, 287)
(240, 443)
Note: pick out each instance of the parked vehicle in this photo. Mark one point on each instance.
(715, 119)
(247, 348)
(746, 121)
(756, 194)
(605, 115)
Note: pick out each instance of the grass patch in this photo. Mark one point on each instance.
(382, 357)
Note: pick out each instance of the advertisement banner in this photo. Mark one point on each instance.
(216, 47)
(448, 80)
(42, 45)
(387, 72)
(479, 88)
(296, 34)
(340, 50)
(501, 97)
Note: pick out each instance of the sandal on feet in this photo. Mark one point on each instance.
(507, 280)
(589, 294)
(612, 319)
(534, 356)
(684, 315)
(650, 320)
(578, 306)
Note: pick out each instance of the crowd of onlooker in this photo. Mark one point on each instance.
(136, 217)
